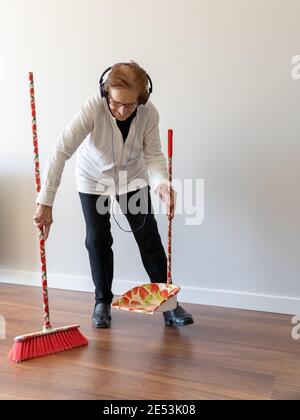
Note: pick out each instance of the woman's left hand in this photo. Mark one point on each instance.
(163, 191)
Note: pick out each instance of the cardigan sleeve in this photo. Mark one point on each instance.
(66, 145)
(153, 156)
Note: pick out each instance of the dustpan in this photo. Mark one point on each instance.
(154, 297)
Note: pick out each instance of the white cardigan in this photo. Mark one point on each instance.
(102, 153)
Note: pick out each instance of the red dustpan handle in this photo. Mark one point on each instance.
(170, 155)
(170, 144)
(47, 324)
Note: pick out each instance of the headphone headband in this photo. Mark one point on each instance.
(102, 83)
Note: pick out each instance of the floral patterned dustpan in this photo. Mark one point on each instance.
(153, 297)
(149, 298)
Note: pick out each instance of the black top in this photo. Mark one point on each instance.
(124, 126)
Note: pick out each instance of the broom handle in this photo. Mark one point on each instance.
(170, 155)
(47, 324)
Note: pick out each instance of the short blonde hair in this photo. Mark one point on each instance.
(136, 79)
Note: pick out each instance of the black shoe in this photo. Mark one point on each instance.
(178, 317)
(101, 316)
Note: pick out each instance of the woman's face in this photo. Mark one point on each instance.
(122, 103)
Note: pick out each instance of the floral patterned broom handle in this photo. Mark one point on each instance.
(47, 324)
(170, 155)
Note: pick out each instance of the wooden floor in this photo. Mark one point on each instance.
(227, 354)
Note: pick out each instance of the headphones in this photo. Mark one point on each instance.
(102, 83)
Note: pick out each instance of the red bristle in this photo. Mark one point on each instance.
(29, 349)
(72, 336)
(46, 344)
(63, 340)
(66, 339)
(54, 342)
(43, 346)
(44, 349)
(34, 348)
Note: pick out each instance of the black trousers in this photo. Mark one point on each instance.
(99, 240)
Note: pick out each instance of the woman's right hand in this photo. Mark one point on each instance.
(43, 219)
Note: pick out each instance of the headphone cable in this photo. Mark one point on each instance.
(125, 166)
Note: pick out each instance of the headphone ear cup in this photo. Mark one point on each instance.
(102, 90)
(145, 99)
(102, 83)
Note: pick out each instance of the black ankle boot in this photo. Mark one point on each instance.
(178, 317)
(101, 316)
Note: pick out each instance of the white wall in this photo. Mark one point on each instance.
(222, 79)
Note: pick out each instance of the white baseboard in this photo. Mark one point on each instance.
(210, 297)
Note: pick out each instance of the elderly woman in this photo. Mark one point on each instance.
(115, 132)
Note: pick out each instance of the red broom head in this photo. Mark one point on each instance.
(45, 343)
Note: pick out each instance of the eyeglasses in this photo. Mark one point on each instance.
(118, 105)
